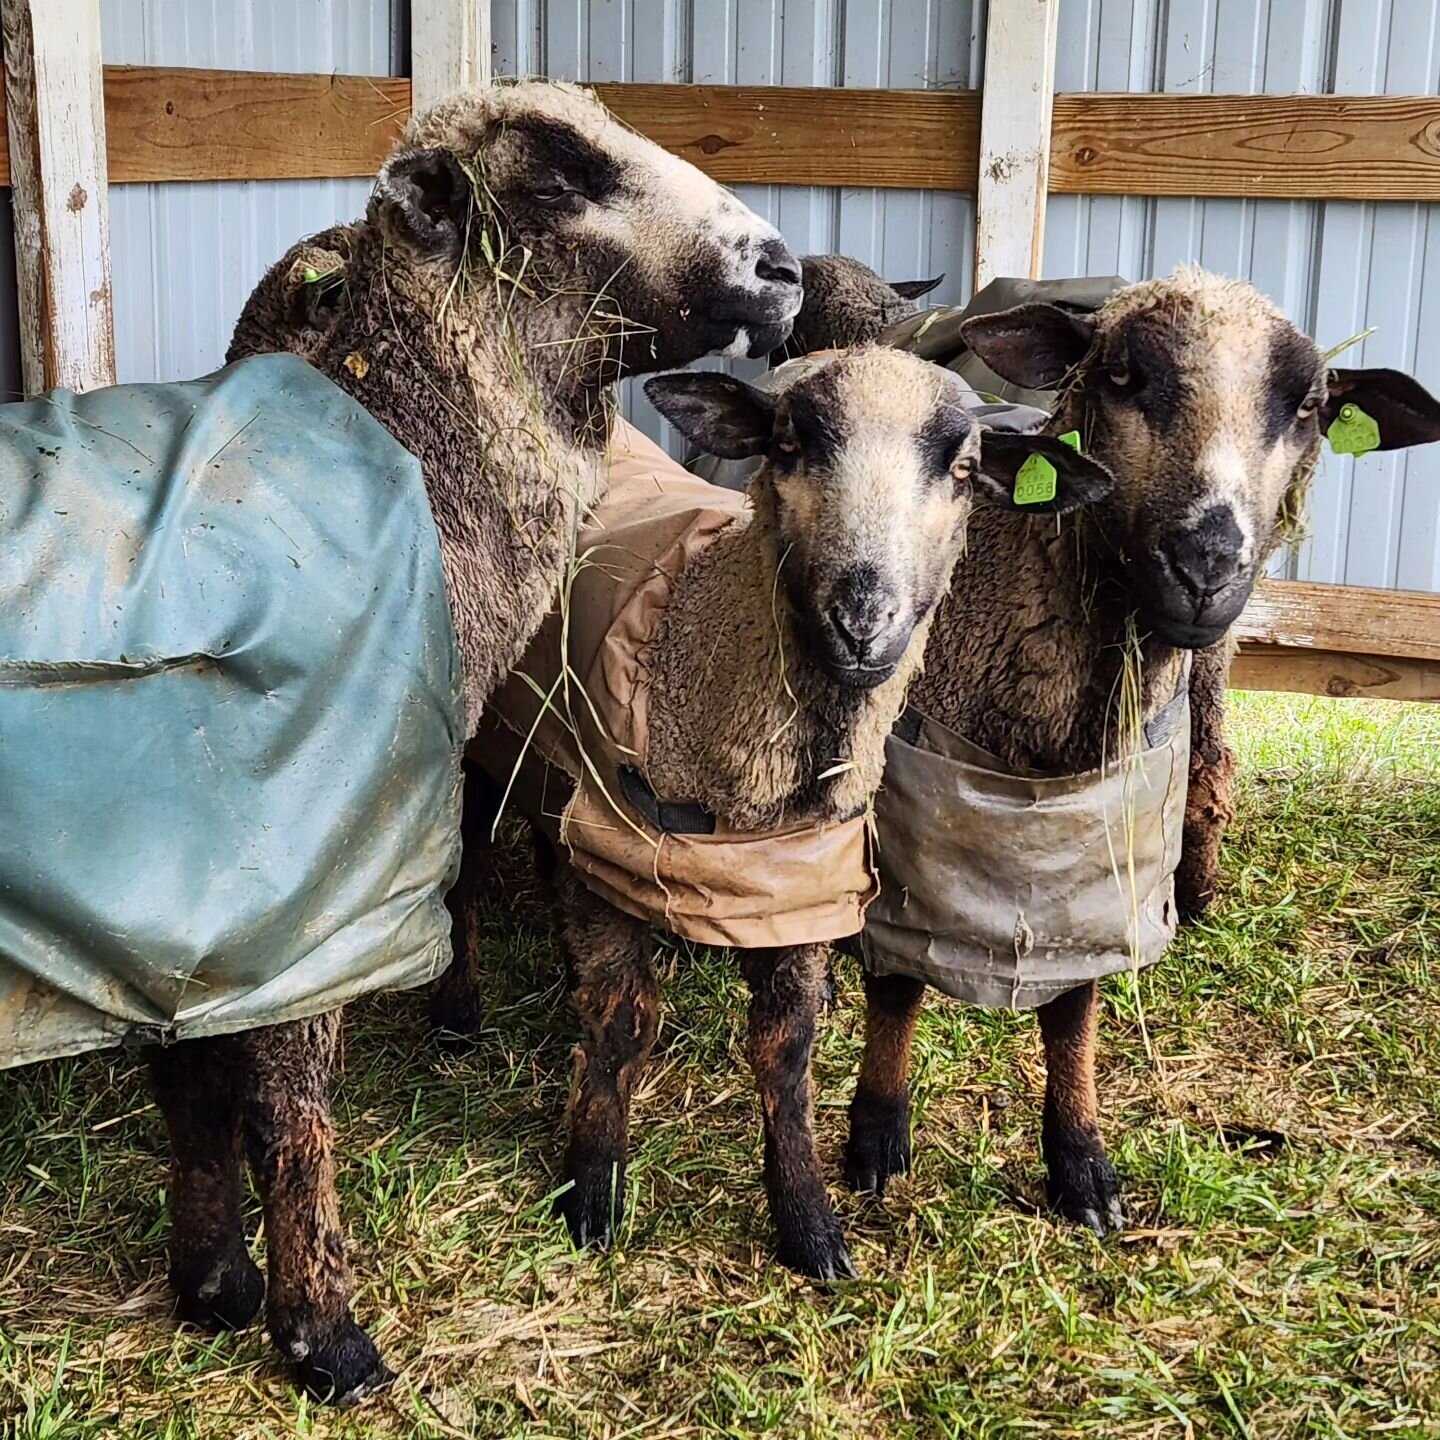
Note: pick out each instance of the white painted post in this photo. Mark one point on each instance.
(55, 114)
(449, 48)
(1015, 114)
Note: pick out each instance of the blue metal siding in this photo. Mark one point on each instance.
(186, 255)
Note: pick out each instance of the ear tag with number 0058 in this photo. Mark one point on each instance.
(1036, 480)
(1353, 432)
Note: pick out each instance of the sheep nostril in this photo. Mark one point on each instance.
(857, 628)
(776, 265)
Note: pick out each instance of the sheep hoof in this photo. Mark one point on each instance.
(818, 1253)
(344, 1369)
(1084, 1187)
(594, 1205)
(879, 1144)
(224, 1293)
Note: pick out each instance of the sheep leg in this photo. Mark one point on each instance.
(196, 1083)
(1209, 801)
(618, 1000)
(457, 997)
(879, 1144)
(291, 1139)
(785, 988)
(1081, 1181)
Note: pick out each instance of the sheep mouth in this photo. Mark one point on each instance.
(856, 676)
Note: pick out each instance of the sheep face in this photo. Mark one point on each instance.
(871, 466)
(847, 303)
(539, 184)
(1209, 407)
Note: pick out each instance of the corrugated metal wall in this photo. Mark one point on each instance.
(186, 255)
(1335, 267)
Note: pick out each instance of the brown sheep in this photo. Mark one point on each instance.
(1208, 406)
(522, 251)
(771, 682)
(847, 303)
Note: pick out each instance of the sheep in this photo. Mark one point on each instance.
(521, 252)
(847, 303)
(770, 682)
(1208, 406)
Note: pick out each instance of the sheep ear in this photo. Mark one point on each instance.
(426, 196)
(723, 416)
(1078, 480)
(914, 289)
(1032, 345)
(1403, 409)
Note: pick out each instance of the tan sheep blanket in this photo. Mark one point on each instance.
(570, 740)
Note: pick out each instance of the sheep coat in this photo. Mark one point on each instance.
(578, 763)
(230, 711)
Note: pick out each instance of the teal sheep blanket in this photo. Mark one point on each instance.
(230, 714)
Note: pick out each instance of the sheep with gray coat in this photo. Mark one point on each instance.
(770, 683)
(522, 251)
(1208, 406)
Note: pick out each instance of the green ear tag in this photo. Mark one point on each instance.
(1035, 482)
(1070, 438)
(1353, 432)
(311, 275)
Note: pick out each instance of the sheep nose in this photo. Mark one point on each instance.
(776, 265)
(1206, 559)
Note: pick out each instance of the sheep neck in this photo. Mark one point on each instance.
(1030, 643)
(508, 431)
(741, 720)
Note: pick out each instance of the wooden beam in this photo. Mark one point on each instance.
(55, 111)
(1015, 113)
(1304, 147)
(449, 47)
(782, 135)
(181, 124)
(1334, 672)
(176, 124)
(1350, 619)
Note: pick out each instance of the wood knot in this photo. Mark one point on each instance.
(76, 202)
(713, 144)
(1086, 155)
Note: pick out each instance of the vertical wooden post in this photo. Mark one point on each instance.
(55, 113)
(1016, 105)
(449, 47)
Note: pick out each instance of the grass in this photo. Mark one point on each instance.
(1281, 1276)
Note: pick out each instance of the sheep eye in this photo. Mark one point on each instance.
(1310, 405)
(788, 447)
(962, 468)
(1119, 376)
(553, 193)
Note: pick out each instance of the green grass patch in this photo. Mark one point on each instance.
(1280, 1277)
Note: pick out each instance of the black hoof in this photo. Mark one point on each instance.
(879, 1144)
(341, 1370)
(1083, 1186)
(222, 1292)
(594, 1205)
(818, 1251)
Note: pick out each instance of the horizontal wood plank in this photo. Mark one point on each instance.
(1309, 147)
(1334, 672)
(184, 124)
(785, 135)
(1346, 618)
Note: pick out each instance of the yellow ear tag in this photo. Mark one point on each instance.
(1035, 482)
(1353, 432)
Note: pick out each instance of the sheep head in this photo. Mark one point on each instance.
(537, 188)
(1209, 407)
(871, 466)
(847, 303)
